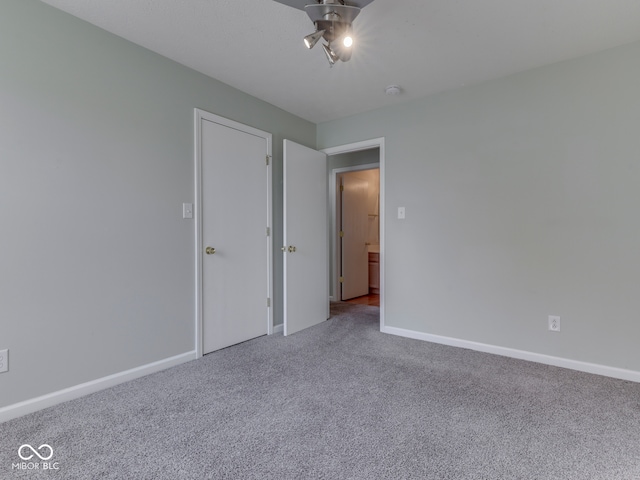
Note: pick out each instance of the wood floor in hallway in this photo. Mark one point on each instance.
(371, 299)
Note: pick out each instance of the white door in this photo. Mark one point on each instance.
(306, 260)
(235, 249)
(353, 236)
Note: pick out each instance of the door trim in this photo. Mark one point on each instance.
(199, 117)
(356, 147)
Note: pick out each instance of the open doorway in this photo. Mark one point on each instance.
(358, 241)
(361, 157)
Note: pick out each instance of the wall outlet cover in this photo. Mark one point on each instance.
(4, 360)
(554, 323)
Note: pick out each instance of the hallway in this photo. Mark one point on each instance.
(371, 299)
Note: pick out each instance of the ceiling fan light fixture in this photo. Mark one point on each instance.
(340, 51)
(344, 36)
(332, 19)
(331, 56)
(311, 39)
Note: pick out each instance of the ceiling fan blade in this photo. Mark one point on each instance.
(318, 12)
(300, 4)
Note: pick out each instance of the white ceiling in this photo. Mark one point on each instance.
(426, 46)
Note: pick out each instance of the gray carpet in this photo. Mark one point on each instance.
(343, 401)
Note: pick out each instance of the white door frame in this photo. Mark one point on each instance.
(356, 147)
(199, 116)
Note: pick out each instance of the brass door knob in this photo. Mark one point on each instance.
(209, 250)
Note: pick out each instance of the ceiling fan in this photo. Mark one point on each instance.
(332, 19)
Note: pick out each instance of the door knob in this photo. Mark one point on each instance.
(292, 249)
(209, 250)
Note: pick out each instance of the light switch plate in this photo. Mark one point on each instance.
(187, 210)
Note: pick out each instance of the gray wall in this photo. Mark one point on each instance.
(353, 159)
(96, 158)
(522, 199)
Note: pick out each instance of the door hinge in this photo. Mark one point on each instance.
(341, 279)
(267, 159)
(341, 234)
(268, 231)
(342, 188)
(268, 302)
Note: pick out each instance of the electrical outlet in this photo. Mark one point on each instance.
(554, 323)
(4, 360)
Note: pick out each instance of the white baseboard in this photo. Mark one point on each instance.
(595, 368)
(34, 404)
(278, 328)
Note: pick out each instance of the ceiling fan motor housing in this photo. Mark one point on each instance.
(333, 18)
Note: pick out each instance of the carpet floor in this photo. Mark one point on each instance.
(341, 401)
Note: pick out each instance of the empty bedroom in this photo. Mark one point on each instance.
(188, 290)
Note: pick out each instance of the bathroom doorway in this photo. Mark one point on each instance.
(355, 177)
(358, 241)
